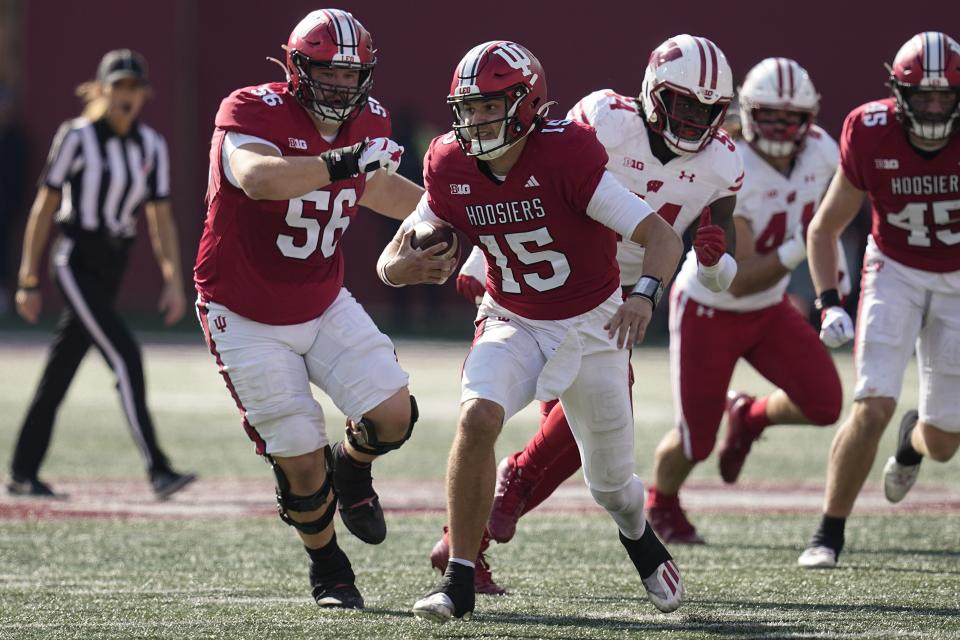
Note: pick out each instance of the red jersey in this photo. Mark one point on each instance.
(278, 261)
(915, 196)
(546, 259)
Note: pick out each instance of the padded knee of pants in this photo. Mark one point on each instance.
(625, 506)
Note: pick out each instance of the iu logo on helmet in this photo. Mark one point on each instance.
(515, 57)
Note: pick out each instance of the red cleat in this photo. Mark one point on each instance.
(670, 522)
(482, 578)
(736, 445)
(514, 488)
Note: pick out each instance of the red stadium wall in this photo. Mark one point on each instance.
(199, 51)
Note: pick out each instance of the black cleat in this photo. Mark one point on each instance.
(336, 590)
(453, 597)
(32, 488)
(359, 504)
(167, 482)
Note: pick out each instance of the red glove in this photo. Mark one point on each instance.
(470, 288)
(710, 243)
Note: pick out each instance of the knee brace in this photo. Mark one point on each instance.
(287, 501)
(362, 435)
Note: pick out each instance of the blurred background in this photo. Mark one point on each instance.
(199, 51)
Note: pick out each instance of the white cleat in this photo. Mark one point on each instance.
(436, 607)
(818, 557)
(665, 587)
(898, 479)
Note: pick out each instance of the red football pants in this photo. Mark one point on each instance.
(705, 345)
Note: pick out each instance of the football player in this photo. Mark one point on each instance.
(290, 163)
(904, 153)
(535, 195)
(665, 146)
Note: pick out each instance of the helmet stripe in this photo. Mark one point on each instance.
(779, 78)
(790, 65)
(713, 64)
(703, 62)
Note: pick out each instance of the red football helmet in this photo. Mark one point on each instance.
(928, 62)
(504, 70)
(334, 39)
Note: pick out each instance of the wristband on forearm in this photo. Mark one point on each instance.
(827, 299)
(382, 272)
(650, 288)
(342, 163)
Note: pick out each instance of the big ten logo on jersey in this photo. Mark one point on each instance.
(267, 95)
(481, 215)
(307, 218)
(515, 57)
(297, 143)
(633, 163)
(875, 114)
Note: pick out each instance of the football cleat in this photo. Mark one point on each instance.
(453, 596)
(665, 587)
(898, 479)
(671, 524)
(482, 578)
(338, 596)
(510, 498)
(818, 557)
(167, 482)
(662, 581)
(736, 445)
(32, 488)
(359, 504)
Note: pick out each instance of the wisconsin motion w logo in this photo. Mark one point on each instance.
(516, 57)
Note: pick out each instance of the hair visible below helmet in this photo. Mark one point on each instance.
(929, 61)
(504, 70)
(780, 84)
(333, 39)
(692, 67)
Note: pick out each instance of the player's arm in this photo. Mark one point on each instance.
(758, 272)
(839, 207)
(166, 249)
(263, 173)
(35, 236)
(400, 264)
(392, 196)
(616, 208)
(713, 243)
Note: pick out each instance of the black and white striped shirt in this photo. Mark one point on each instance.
(105, 177)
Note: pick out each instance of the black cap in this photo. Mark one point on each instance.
(122, 63)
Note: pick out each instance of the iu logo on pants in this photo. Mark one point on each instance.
(220, 323)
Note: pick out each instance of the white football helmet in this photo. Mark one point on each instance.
(687, 68)
(778, 84)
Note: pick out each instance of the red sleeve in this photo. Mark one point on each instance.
(434, 198)
(848, 150)
(244, 112)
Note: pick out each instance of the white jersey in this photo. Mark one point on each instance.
(677, 190)
(774, 205)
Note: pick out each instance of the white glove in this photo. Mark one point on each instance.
(836, 327)
(380, 153)
(794, 251)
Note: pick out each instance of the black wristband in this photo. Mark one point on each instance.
(343, 163)
(827, 299)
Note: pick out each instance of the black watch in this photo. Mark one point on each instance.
(650, 288)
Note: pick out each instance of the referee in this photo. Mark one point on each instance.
(102, 167)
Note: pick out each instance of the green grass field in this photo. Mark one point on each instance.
(204, 576)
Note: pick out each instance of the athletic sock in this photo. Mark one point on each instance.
(329, 560)
(755, 418)
(830, 533)
(906, 454)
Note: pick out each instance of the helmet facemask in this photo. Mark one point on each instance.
(685, 123)
(777, 132)
(926, 125)
(331, 102)
(511, 129)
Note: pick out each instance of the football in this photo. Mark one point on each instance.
(427, 234)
